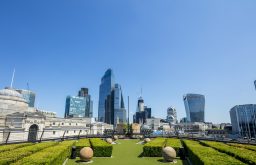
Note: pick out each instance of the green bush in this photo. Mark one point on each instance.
(16, 154)
(202, 155)
(249, 147)
(10, 147)
(81, 144)
(52, 155)
(101, 148)
(154, 148)
(245, 155)
(174, 143)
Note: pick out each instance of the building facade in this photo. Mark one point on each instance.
(195, 107)
(119, 107)
(79, 106)
(19, 122)
(171, 115)
(243, 120)
(29, 96)
(143, 112)
(106, 87)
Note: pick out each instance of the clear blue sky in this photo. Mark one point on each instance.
(168, 47)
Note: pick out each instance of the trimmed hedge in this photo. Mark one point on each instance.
(14, 155)
(81, 144)
(246, 156)
(174, 143)
(202, 155)
(101, 148)
(246, 146)
(10, 147)
(52, 155)
(154, 148)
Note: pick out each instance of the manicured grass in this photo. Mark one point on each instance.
(126, 153)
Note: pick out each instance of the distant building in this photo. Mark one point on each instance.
(243, 120)
(171, 115)
(255, 84)
(195, 107)
(183, 120)
(29, 96)
(119, 108)
(79, 106)
(106, 87)
(143, 112)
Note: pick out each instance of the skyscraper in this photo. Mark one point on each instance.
(119, 108)
(143, 112)
(28, 95)
(243, 120)
(195, 106)
(171, 115)
(255, 84)
(106, 86)
(79, 106)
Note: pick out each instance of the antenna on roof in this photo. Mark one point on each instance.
(13, 75)
(141, 92)
(27, 86)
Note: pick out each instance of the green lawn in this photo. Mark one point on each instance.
(126, 153)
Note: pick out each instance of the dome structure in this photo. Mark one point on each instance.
(10, 92)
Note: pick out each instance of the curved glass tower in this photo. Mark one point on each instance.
(106, 86)
(194, 105)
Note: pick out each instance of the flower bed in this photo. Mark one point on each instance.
(101, 148)
(52, 155)
(202, 155)
(245, 155)
(14, 155)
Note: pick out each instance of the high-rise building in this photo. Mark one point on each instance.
(106, 87)
(79, 106)
(195, 107)
(255, 84)
(171, 115)
(119, 108)
(243, 120)
(143, 112)
(29, 96)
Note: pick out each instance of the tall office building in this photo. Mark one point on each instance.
(143, 112)
(195, 107)
(106, 87)
(243, 120)
(119, 108)
(28, 95)
(171, 115)
(79, 106)
(255, 84)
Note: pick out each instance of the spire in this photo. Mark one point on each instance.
(13, 75)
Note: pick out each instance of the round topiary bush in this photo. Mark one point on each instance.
(169, 154)
(86, 154)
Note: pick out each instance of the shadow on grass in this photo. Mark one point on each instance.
(175, 162)
(141, 155)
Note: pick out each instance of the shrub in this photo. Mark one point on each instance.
(202, 155)
(246, 156)
(154, 148)
(14, 155)
(249, 147)
(52, 155)
(81, 144)
(101, 148)
(174, 143)
(10, 147)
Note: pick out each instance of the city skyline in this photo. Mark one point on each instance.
(168, 49)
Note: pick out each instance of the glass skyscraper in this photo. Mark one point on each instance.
(29, 96)
(243, 120)
(195, 107)
(119, 109)
(79, 106)
(255, 84)
(106, 87)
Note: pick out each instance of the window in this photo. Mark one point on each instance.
(62, 123)
(67, 132)
(53, 123)
(74, 131)
(53, 132)
(69, 123)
